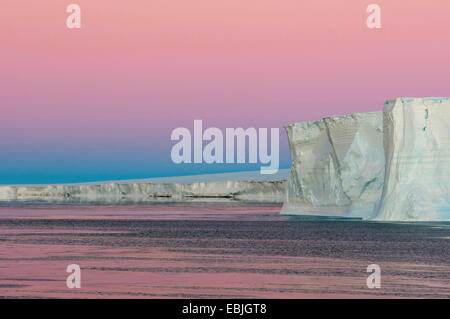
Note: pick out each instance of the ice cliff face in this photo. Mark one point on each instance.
(390, 165)
(110, 193)
(337, 165)
(417, 148)
(357, 141)
(314, 182)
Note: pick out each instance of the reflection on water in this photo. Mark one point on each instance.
(214, 250)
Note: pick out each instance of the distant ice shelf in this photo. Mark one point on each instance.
(211, 187)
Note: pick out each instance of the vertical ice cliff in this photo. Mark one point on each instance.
(390, 165)
(8, 193)
(314, 184)
(417, 148)
(358, 142)
(337, 166)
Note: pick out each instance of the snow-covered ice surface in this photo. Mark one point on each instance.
(417, 148)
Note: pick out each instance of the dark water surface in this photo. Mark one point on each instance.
(215, 250)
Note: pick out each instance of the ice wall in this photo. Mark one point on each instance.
(417, 148)
(337, 166)
(109, 193)
(314, 185)
(357, 140)
(390, 165)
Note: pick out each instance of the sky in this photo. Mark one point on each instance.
(100, 102)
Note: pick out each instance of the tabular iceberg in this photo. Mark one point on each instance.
(417, 148)
(390, 165)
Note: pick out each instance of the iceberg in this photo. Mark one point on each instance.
(417, 149)
(314, 186)
(337, 166)
(391, 166)
(357, 140)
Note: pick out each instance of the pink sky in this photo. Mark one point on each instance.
(138, 69)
